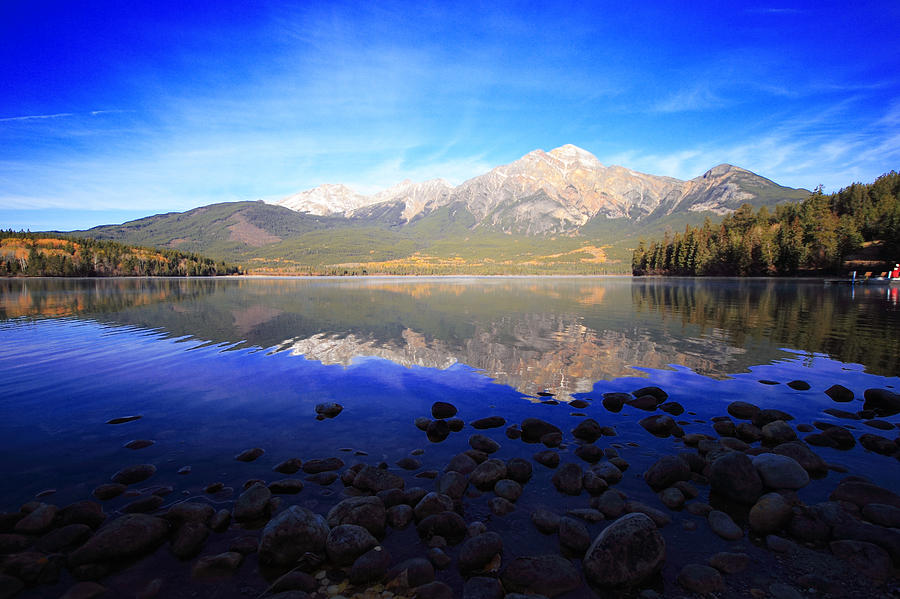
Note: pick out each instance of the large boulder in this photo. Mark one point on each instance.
(487, 473)
(588, 430)
(535, 428)
(666, 471)
(432, 503)
(370, 566)
(863, 493)
(780, 471)
(573, 536)
(778, 432)
(733, 476)
(625, 553)
(770, 514)
(346, 542)
(252, 503)
(449, 525)
(547, 575)
(700, 579)
(882, 401)
(453, 484)
(290, 534)
(811, 462)
(568, 479)
(368, 512)
(743, 410)
(476, 552)
(443, 409)
(722, 524)
(660, 425)
(373, 479)
(124, 537)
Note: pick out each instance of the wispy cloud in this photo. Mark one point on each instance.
(59, 115)
(806, 150)
(35, 117)
(699, 97)
(776, 11)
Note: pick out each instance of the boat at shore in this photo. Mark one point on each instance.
(891, 277)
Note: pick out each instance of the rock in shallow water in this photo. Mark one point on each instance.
(290, 534)
(548, 458)
(217, 566)
(483, 587)
(535, 428)
(476, 552)
(660, 425)
(548, 575)
(870, 559)
(437, 430)
(730, 563)
(839, 393)
(139, 444)
(882, 401)
(124, 537)
(432, 503)
(625, 553)
(508, 489)
(519, 470)
(322, 465)
(568, 479)
(449, 525)
(770, 514)
(373, 479)
(546, 521)
(486, 474)
(483, 443)
(573, 536)
(38, 521)
(443, 409)
(733, 476)
(368, 512)
(346, 542)
(134, 474)
(249, 455)
(253, 503)
(701, 579)
(489, 422)
(743, 410)
(68, 536)
(722, 524)
(780, 471)
(81, 590)
(666, 471)
(329, 409)
(189, 539)
(370, 566)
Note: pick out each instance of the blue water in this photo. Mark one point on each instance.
(216, 367)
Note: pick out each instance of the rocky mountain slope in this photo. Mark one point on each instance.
(550, 192)
(560, 211)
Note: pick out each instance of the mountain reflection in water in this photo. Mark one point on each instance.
(534, 334)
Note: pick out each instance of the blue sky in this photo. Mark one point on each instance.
(116, 110)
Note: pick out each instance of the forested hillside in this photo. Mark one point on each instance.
(816, 235)
(44, 255)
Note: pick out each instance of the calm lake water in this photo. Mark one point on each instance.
(214, 367)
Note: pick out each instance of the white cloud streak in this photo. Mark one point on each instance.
(35, 117)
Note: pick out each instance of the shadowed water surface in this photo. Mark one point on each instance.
(215, 366)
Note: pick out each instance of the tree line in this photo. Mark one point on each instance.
(42, 255)
(812, 236)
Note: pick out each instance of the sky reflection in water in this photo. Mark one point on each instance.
(212, 367)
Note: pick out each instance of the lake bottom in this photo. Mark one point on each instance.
(189, 408)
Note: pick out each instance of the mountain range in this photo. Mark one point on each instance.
(556, 211)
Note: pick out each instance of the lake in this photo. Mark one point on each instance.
(214, 367)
